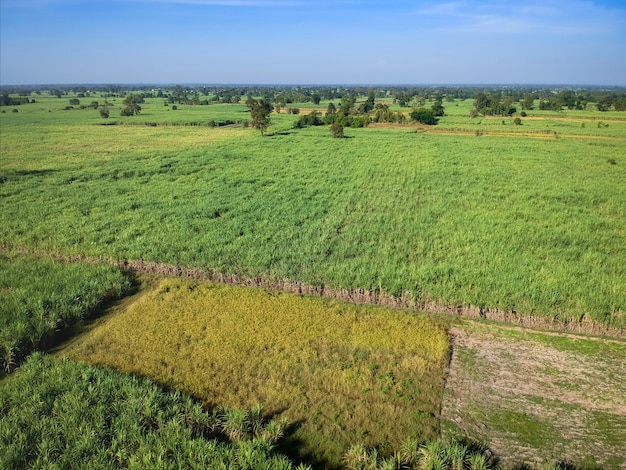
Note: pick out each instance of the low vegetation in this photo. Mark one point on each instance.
(547, 396)
(59, 414)
(40, 296)
(527, 219)
(344, 373)
(492, 213)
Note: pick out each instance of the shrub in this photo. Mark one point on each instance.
(424, 116)
(337, 130)
(517, 121)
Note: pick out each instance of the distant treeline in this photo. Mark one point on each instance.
(553, 97)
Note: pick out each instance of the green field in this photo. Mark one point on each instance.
(59, 414)
(516, 219)
(523, 222)
(40, 296)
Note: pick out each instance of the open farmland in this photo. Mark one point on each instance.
(497, 222)
(523, 222)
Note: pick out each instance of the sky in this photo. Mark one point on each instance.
(569, 42)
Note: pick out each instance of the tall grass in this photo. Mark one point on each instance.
(39, 296)
(345, 374)
(59, 414)
(497, 222)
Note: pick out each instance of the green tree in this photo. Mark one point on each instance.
(528, 101)
(260, 111)
(131, 105)
(424, 116)
(437, 108)
(337, 130)
(620, 104)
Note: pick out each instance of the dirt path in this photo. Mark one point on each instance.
(533, 401)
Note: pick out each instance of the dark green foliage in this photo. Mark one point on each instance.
(260, 111)
(552, 104)
(528, 101)
(60, 414)
(517, 121)
(39, 296)
(131, 105)
(6, 100)
(337, 130)
(312, 119)
(493, 104)
(424, 116)
(437, 108)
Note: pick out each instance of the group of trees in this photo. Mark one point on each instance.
(499, 103)
(131, 105)
(493, 104)
(348, 114)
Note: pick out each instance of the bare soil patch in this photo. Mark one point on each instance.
(537, 398)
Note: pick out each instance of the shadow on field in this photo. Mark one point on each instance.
(295, 449)
(25, 173)
(67, 333)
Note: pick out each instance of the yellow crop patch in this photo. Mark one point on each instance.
(342, 373)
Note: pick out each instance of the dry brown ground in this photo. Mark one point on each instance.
(534, 397)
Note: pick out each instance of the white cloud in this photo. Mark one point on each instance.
(554, 17)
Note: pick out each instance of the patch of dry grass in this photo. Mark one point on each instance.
(341, 373)
(538, 397)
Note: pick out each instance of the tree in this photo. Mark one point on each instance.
(424, 116)
(132, 107)
(332, 109)
(260, 111)
(437, 108)
(620, 104)
(347, 104)
(337, 130)
(528, 101)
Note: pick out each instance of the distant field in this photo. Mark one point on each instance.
(341, 374)
(498, 222)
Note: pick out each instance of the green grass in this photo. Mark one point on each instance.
(39, 296)
(342, 373)
(499, 222)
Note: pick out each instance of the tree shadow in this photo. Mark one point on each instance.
(294, 448)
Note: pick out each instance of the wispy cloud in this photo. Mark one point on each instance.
(497, 17)
(38, 4)
(229, 3)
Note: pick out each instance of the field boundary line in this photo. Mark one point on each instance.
(353, 295)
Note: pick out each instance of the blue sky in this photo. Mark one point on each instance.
(576, 42)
